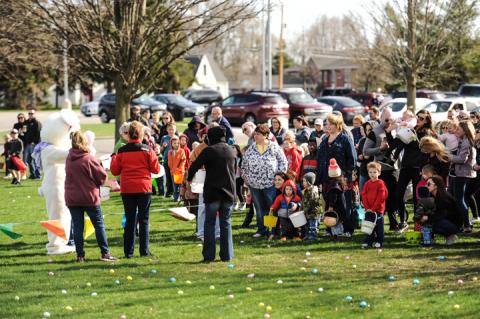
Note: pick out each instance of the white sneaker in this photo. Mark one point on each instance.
(364, 246)
(256, 235)
(9, 176)
(347, 234)
(24, 177)
(377, 245)
(450, 240)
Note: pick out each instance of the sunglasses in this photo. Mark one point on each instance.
(421, 118)
(430, 184)
(31, 113)
(165, 118)
(20, 118)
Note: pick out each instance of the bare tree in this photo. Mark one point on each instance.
(133, 42)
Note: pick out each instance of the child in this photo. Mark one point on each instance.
(427, 172)
(283, 206)
(8, 173)
(309, 162)
(184, 145)
(176, 164)
(312, 205)
(374, 196)
(448, 138)
(240, 205)
(14, 150)
(164, 148)
(358, 121)
(408, 120)
(425, 208)
(334, 195)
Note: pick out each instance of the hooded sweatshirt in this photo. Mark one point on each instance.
(84, 176)
(219, 161)
(283, 201)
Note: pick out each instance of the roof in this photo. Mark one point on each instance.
(196, 59)
(332, 62)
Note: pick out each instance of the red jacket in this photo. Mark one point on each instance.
(135, 162)
(83, 177)
(374, 196)
(294, 159)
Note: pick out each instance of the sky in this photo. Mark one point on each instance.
(299, 14)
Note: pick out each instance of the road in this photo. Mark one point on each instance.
(103, 145)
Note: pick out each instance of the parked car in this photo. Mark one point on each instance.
(256, 107)
(399, 105)
(421, 93)
(472, 90)
(347, 106)
(302, 103)
(439, 109)
(180, 106)
(204, 97)
(106, 106)
(364, 98)
(90, 108)
(335, 92)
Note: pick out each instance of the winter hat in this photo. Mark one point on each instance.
(334, 169)
(310, 178)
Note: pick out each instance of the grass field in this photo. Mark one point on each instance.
(343, 270)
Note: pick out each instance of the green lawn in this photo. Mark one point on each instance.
(343, 270)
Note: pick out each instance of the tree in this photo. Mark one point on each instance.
(287, 62)
(134, 42)
(178, 77)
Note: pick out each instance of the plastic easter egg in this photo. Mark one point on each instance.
(64, 291)
(17, 298)
(248, 289)
(89, 284)
(474, 278)
(129, 278)
(450, 293)
(261, 304)
(363, 304)
(112, 271)
(94, 294)
(308, 254)
(416, 281)
(460, 281)
(153, 271)
(456, 306)
(251, 276)
(354, 266)
(172, 279)
(51, 273)
(268, 308)
(123, 317)
(348, 298)
(180, 292)
(117, 282)
(391, 278)
(320, 289)
(314, 271)
(46, 314)
(279, 281)
(231, 266)
(188, 282)
(231, 296)
(69, 308)
(266, 316)
(441, 258)
(212, 287)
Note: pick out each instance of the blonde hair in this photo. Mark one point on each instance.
(290, 137)
(359, 118)
(304, 149)
(469, 130)
(375, 165)
(80, 141)
(135, 130)
(335, 120)
(431, 145)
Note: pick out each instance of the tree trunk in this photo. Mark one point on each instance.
(411, 90)
(412, 56)
(122, 105)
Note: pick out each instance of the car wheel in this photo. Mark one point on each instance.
(87, 115)
(104, 117)
(250, 118)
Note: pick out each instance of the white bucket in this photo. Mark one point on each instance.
(160, 173)
(197, 181)
(368, 226)
(104, 193)
(181, 213)
(298, 219)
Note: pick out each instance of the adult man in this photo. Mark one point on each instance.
(220, 119)
(248, 128)
(218, 192)
(32, 138)
(374, 114)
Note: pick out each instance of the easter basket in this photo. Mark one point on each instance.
(270, 220)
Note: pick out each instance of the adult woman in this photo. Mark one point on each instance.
(277, 130)
(302, 132)
(446, 210)
(363, 160)
(437, 155)
(83, 177)
(376, 145)
(464, 161)
(339, 146)
(192, 130)
(167, 118)
(135, 162)
(411, 164)
(260, 163)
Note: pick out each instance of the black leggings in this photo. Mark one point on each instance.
(239, 186)
(472, 194)
(407, 174)
(391, 184)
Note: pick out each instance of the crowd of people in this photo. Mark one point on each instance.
(334, 175)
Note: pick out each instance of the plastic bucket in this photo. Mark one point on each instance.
(298, 219)
(330, 219)
(270, 221)
(413, 238)
(368, 224)
(178, 178)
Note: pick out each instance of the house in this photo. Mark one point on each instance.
(333, 70)
(208, 74)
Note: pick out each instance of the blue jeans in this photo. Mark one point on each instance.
(168, 180)
(131, 204)
(362, 181)
(176, 191)
(262, 199)
(459, 188)
(95, 214)
(378, 233)
(226, 242)
(201, 219)
(27, 156)
(311, 229)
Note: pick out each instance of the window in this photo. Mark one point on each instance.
(229, 100)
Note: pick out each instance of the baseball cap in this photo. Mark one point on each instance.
(14, 131)
(318, 122)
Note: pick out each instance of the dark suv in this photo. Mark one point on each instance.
(302, 103)
(204, 97)
(256, 107)
(106, 106)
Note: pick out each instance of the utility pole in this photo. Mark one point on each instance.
(280, 52)
(269, 48)
(67, 104)
(264, 82)
(303, 60)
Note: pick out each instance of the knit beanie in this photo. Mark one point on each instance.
(310, 178)
(334, 169)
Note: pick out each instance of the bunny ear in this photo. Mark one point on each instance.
(69, 117)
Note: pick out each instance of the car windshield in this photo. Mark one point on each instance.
(397, 106)
(438, 106)
(145, 99)
(178, 99)
(301, 98)
(349, 102)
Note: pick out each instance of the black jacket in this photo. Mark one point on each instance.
(33, 131)
(219, 162)
(447, 207)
